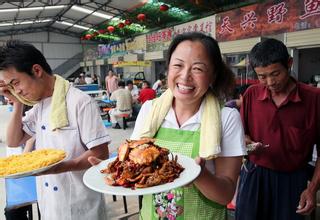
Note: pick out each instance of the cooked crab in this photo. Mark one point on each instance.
(144, 155)
(141, 164)
(125, 148)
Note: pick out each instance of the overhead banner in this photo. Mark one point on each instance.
(112, 49)
(136, 44)
(159, 40)
(272, 17)
(204, 25)
(89, 52)
(145, 63)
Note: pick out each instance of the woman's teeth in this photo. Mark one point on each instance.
(185, 87)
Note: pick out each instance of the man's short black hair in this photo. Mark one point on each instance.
(22, 56)
(129, 82)
(269, 51)
(147, 83)
(121, 83)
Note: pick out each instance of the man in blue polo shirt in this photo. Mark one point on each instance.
(282, 114)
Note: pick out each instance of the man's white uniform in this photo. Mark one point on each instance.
(64, 196)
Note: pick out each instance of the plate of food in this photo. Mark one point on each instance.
(31, 163)
(141, 168)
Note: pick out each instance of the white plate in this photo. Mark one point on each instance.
(95, 180)
(33, 172)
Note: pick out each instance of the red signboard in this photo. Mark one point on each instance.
(272, 17)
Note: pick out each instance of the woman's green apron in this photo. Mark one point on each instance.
(184, 202)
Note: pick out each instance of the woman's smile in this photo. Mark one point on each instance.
(185, 89)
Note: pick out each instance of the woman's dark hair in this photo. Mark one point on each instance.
(269, 51)
(224, 80)
(22, 56)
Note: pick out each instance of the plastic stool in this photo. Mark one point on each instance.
(124, 117)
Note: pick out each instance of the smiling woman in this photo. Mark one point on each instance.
(189, 120)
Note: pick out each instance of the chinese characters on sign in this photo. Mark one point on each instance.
(276, 12)
(226, 26)
(159, 40)
(204, 25)
(271, 17)
(311, 8)
(161, 36)
(249, 20)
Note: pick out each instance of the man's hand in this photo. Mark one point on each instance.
(93, 160)
(4, 90)
(307, 202)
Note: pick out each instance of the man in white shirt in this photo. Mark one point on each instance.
(124, 103)
(133, 89)
(60, 190)
(88, 79)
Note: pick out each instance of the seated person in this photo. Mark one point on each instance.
(88, 79)
(236, 102)
(135, 95)
(123, 100)
(133, 89)
(104, 96)
(146, 93)
(159, 84)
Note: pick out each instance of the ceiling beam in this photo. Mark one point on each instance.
(37, 30)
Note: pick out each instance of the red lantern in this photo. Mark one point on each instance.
(121, 25)
(110, 29)
(141, 17)
(164, 7)
(88, 36)
(127, 22)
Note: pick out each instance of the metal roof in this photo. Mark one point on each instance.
(17, 17)
(78, 17)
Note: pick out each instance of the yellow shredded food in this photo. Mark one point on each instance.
(30, 161)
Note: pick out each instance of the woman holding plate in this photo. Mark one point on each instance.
(189, 119)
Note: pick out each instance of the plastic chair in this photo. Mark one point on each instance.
(20, 192)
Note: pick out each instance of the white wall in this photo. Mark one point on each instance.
(57, 48)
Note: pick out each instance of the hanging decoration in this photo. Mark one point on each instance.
(152, 15)
(164, 7)
(121, 25)
(141, 17)
(127, 22)
(110, 29)
(102, 31)
(88, 36)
